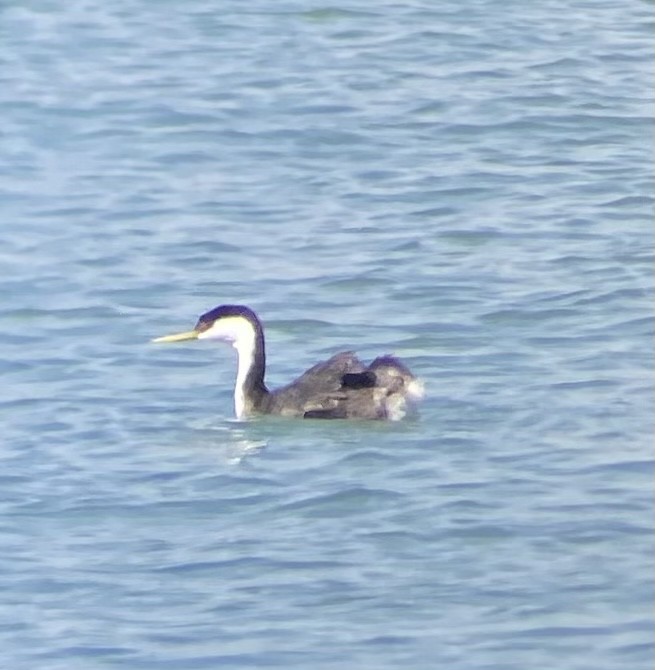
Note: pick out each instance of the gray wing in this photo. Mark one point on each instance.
(343, 388)
(320, 388)
(328, 375)
(381, 391)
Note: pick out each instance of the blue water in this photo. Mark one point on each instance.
(468, 186)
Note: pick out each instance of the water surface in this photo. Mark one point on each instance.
(466, 187)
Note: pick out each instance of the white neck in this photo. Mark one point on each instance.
(245, 357)
(240, 333)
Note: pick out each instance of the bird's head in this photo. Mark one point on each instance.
(235, 324)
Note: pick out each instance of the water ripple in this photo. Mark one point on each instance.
(466, 188)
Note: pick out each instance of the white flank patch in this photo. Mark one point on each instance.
(416, 389)
(240, 333)
(396, 407)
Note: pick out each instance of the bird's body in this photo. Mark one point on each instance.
(340, 388)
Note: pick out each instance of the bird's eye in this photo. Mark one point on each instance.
(202, 326)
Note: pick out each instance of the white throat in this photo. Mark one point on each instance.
(240, 333)
(245, 359)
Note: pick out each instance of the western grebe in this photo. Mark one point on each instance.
(339, 388)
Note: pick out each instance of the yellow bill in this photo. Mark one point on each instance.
(178, 337)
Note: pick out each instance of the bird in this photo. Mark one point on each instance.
(341, 387)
